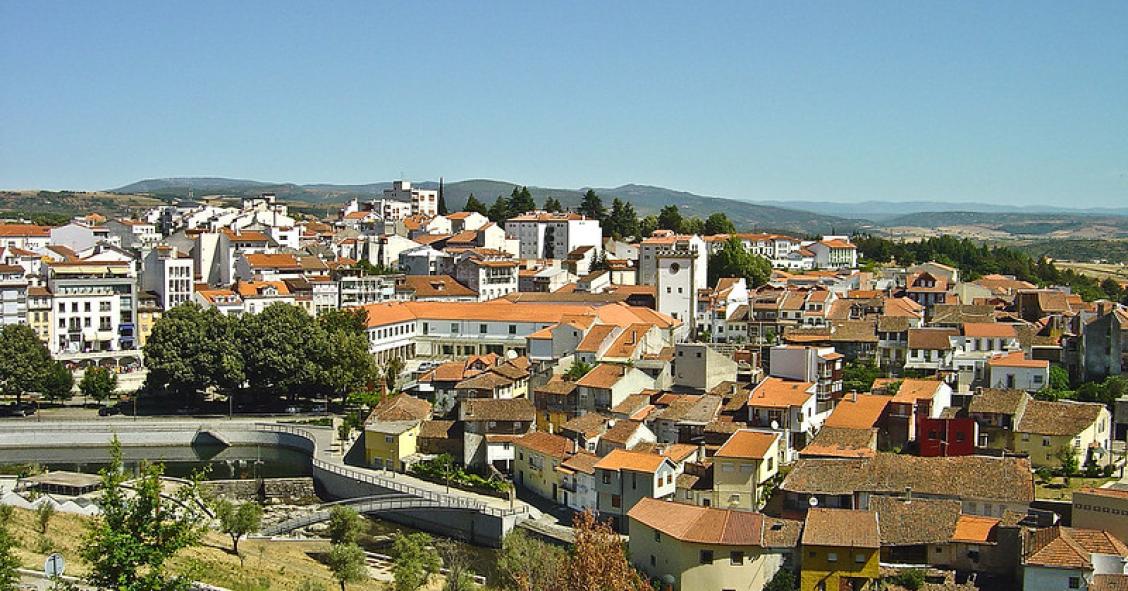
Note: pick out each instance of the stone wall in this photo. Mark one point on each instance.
(286, 491)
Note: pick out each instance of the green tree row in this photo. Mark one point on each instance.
(975, 260)
(26, 366)
(282, 351)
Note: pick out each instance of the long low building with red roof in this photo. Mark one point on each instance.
(409, 329)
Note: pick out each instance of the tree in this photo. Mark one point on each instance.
(1066, 455)
(733, 260)
(859, 376)
(472, 204)
(552, 204)
(598, 562)
(442, 206)
(415, 561)
(622, 221)
(238, 520)
(578, 370)
(647, 226)
(782, 580)
(670, 218)
(1059, 377)
(98, 383)
(43, 514)
(127, 544)
(9, 562)
(344, 363)
(351, 320)
(719, 223)
(459, 575)
(692, 225)
(391, 373)
(348, 563)
(280, 348)
(58, 383)
(521, 201)
(528, 564)
(499, 211)
(24, 360)
(592, 206)
(191, 349)
(345, 525)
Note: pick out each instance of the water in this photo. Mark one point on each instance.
(223, 463)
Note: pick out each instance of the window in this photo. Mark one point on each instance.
(426, 328)
(657, 536)
(606, 478)
(832, 557)
(389, 439)
(453, 328)
(652, 561)
(1045, 441)
(1026, 437)
(481, 329)
(861, 558)
(512, 329)
(736, 558)
(770, 464)
(616, 501)
(706, 557)
(1074, 582)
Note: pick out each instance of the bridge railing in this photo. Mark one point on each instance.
(368, 477)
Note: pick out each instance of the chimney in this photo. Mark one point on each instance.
(853, 395)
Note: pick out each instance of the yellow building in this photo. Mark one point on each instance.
(690, 548)
(391, 433)
(841, 549)
(538, 454)
(1046, 427)
(148, 313)
(741, 466)
(39, 312)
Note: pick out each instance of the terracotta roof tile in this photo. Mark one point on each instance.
(547, 444)
(842, 528)
(700, 525)
(1058, 418)
(621, 459)
(748, 444)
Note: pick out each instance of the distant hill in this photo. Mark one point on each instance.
(883, 211)
(646, 199)
(1017, 225)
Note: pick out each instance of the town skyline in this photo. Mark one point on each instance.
(964, 103)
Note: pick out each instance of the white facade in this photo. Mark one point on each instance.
(678, 267)
(543, 235)
(169, 275)
(423, 202)
(13, 295)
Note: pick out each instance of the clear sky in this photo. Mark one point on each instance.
(1013, 102)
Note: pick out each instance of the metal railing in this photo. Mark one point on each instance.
(367, 505)
(434, 498)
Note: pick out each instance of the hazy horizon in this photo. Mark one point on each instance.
(1006, 103)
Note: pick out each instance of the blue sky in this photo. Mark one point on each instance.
(1022, 102)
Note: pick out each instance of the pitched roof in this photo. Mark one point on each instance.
(841, 442)
(1017, 359)
(916, 521)
(547, 444)
(700, 525)
(25, 230)
(1065, 417)
(430, 286)
(635, 461)
(604, 375)
(978, 477)
(933, 339)
(996, 401)
(845, 528)
(400, 407)
(503, 409)
(914, 389)
(588, 425)
(1067, 547)
(747, 444)
(622, 431)
(692, 409)
(583, 461)
(502, 310)
(861, 411)
(780, 393)
(989, 330)
(595, 338)
(974, 529)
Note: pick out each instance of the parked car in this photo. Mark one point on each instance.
(293, 410)
(109, 411)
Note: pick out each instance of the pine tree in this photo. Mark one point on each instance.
(472, 204)
(521, 201)
(553, 205)
(442, 199)
(670, 218)
(499, 211)
(592, 206)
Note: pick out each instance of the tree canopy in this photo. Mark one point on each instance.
(24, 361)
(499, 211)
(733, 260)
(622, 222)
(719, 223)
(552, 204)
(591, 206)
(98, 383)
(521, 201)
(472, 204)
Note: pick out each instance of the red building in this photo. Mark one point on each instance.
(946, 436)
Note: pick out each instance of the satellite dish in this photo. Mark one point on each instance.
(511, 354)
(775, 425)
(813, 502)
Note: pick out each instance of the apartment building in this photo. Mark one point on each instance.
(94, 306)
(424, 202)
(133, 234)
(544, 235)
(13, 295)
(169, 274)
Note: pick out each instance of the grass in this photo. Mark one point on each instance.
(283, 566)
(1058, 490)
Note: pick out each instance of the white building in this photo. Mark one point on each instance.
(95, 306)
(13, 295)
(678, 267)
(168, 273)
(25, 236)
(544, 235)
(134, 234)
(491, 274)
(834, 252)
(423, 202)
